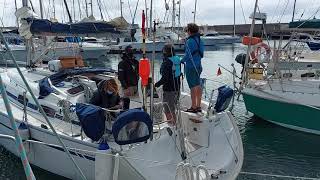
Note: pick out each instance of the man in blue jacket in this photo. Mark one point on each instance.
(194, 49)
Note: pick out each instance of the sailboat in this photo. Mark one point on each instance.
(68, 42)
(212, 38)
(136, 39)
(212, 141)
(283, 90)
(62, 130)
(137, 44)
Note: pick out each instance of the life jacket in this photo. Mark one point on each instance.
(176, 67)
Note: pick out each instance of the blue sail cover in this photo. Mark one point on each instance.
(44, 26)
(57, 78)
(314, 46)
(92, 120)
(225, 94)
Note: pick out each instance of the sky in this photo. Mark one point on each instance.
(209, 12)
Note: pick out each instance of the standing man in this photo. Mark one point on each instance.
(128, 73)
(194, 49)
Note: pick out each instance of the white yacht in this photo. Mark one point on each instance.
(137, 44)
(214, 38)
(205, 145)
(54, 50)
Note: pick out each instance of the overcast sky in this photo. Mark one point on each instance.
(209, 12)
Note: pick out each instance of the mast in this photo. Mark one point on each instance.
(67, 8)
(173, 14)
(179, 13)
(41, 9)
(54, 9)
(99, 5)
(121, 13)
(135, 13)
(234, 17)
(152, 69)
(91, 5)
(244, 73)
(24, 3)
(74, 10)
(31, 4)
(294, 10)
(150, 18)
(16, 8)
(195, 11)
(146, 14)
(87, 13)
(79, 6)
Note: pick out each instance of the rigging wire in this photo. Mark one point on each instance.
(243, 14)
(308, 8)
(63, 12)
(135, 12)
(284, 10)
(313, 15)
(100, 9)
(275, 11)
(264, 29)
(3, 12)
(103, 3)
(130, 10)
(79, 6)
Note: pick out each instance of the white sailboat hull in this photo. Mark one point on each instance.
(214, 143)
(212, 41)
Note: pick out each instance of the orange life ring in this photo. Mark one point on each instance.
(260, 53)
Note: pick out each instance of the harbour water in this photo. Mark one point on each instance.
(269, 149)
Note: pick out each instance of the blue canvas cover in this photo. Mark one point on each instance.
(126, 118)
(44, 26)
(92, 120)
(45, 88)
(57, 78)
(73, 39)
(225, 94)
(314, 46)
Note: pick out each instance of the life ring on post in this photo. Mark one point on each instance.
(260, 53)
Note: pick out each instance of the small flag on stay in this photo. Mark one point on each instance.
(219, 72)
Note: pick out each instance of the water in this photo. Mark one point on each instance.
(268, 148)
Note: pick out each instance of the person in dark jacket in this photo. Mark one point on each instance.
(107, 95)
(170, 81)
(128, 73)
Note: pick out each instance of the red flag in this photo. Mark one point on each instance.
(219, 72)
(143, 29)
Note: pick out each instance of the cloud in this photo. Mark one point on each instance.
(208, 11)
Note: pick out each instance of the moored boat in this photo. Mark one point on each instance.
(212, 141)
